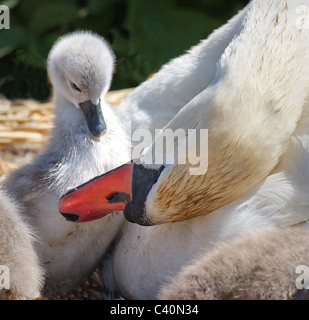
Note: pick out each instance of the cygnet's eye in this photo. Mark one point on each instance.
(75, 87)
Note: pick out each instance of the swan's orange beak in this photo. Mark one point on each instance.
(100, 196)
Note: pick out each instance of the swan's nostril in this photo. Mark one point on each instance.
(70, 216)
(118, 197)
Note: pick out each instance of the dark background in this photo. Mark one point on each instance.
(144, 34)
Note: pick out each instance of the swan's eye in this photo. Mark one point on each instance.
(75, 87)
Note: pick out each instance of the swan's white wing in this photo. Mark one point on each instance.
(155, 102)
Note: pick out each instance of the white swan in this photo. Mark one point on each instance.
(155, 102)
(257, 115)
(83, 145)
(151, 255)
(20, 272)
(266, 265)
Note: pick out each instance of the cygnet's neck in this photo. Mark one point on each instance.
(68, 118)
(70, 148)
(69, 130)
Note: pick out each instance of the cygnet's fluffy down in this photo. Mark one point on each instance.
(21, 276)
(87, 140)
(259, 266)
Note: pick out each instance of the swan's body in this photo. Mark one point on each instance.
(146, 257)
(257, 114)
(22, 277)
(259, 266)
(68, 251)
(155, 102)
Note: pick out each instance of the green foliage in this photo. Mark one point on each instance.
(144, 34)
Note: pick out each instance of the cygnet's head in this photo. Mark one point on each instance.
(80, 67)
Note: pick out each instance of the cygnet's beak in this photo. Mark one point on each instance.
(99, 196)
(94, 118)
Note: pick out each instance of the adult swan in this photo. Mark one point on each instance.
(257, 115)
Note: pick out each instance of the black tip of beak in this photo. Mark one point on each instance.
(97, 130)
(94, 118)
(70, 216)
